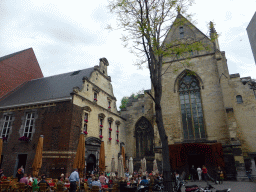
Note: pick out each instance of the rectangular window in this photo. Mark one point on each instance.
(6, 126)
(181, 32)
(95, 97)
(100, 131)
(29, 123)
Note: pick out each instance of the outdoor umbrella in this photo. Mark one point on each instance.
(123, 154)
(155, 169)
(79, 162)
(126, 163)
(144, 166)
(102, 157)
(130, 166)
(37, 164)
(120, 167)
(113, 165)
(1, 147)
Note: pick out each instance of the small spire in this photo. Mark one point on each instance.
(178, 9)
(212, 29)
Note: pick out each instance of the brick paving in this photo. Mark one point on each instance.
(243, 186)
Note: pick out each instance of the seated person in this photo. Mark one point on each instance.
(43, 181)
(96, 182)
(60, 182)
(144, 181)
(24, 179)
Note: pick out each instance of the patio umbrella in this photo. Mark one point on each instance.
(1, 147)
(127, 164)
(120, 167)
(113, 165)
(37, 164)
(79, 162)
(155, 169)
(130, 166)
(102, 157)
(144, 166)
(123, 155)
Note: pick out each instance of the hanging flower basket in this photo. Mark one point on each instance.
(101, 125)
(4, 138)
(101, 136)
(95, 99)
(110, 129)
(85, 132)
(109, 139)
(86, 121)
(23, 138)
(117, 131)
(117, 140)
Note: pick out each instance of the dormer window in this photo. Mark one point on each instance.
(181, 32)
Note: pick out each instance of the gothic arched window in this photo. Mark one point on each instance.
(144, 134)
(191, 108)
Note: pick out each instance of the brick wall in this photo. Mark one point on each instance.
(18, 69)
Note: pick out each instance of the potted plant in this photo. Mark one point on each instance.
(117, 140)
(24, 138)
(85, 132)
(110, 129)
(101, 125)
(110, 139)
(101, 136)
(86, 121)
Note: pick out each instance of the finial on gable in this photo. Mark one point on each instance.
(178, 9)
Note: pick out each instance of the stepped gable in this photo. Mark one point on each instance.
(47, 89)
(16, 69)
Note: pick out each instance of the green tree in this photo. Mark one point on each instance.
(124, 102)
(146, 24)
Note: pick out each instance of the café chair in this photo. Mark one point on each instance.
(43, 187)
(60, 188)
(5, 187)
(20, 187)
(95, 189)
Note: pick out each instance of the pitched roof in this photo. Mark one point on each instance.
(48, 88)
(13, 54)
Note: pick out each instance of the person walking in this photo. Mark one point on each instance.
(204, 170)
(73, 178)
(192, 172)
(199, 173)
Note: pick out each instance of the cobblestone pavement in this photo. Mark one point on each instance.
(235, 186)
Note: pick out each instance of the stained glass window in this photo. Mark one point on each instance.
(191, 108)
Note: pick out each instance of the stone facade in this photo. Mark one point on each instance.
(252, 35)
(226, 120)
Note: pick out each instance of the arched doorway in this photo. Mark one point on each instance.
(144, 133)
(92, 150)
(91, 163)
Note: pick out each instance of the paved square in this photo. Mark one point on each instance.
(234, 185)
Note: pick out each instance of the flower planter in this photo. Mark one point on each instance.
(109, 107)
(101, 125)
(95, 99)
(85, 132)
(109, 139)
(117, 141)
(101, 136)
(117, 131)
(4, 138)
(23, 138)
(86, 121)
(110, 129)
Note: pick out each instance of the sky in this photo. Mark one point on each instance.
(71, 35)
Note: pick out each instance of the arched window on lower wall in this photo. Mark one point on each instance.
(144, 134)
(191, 108)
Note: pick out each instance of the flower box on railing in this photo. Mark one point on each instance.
(86, 121)
(101, 125)
(101, 136)
(95, 99)
(110, 129)
(5, 138)
(117, 140)
(109, 107)
(23, 138)
(109, 139)
(85, 132)
(117, 131)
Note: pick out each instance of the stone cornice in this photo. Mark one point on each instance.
(96, 87)
(94, 103)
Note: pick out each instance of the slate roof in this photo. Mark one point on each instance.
(13, 54)
(48, 88)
